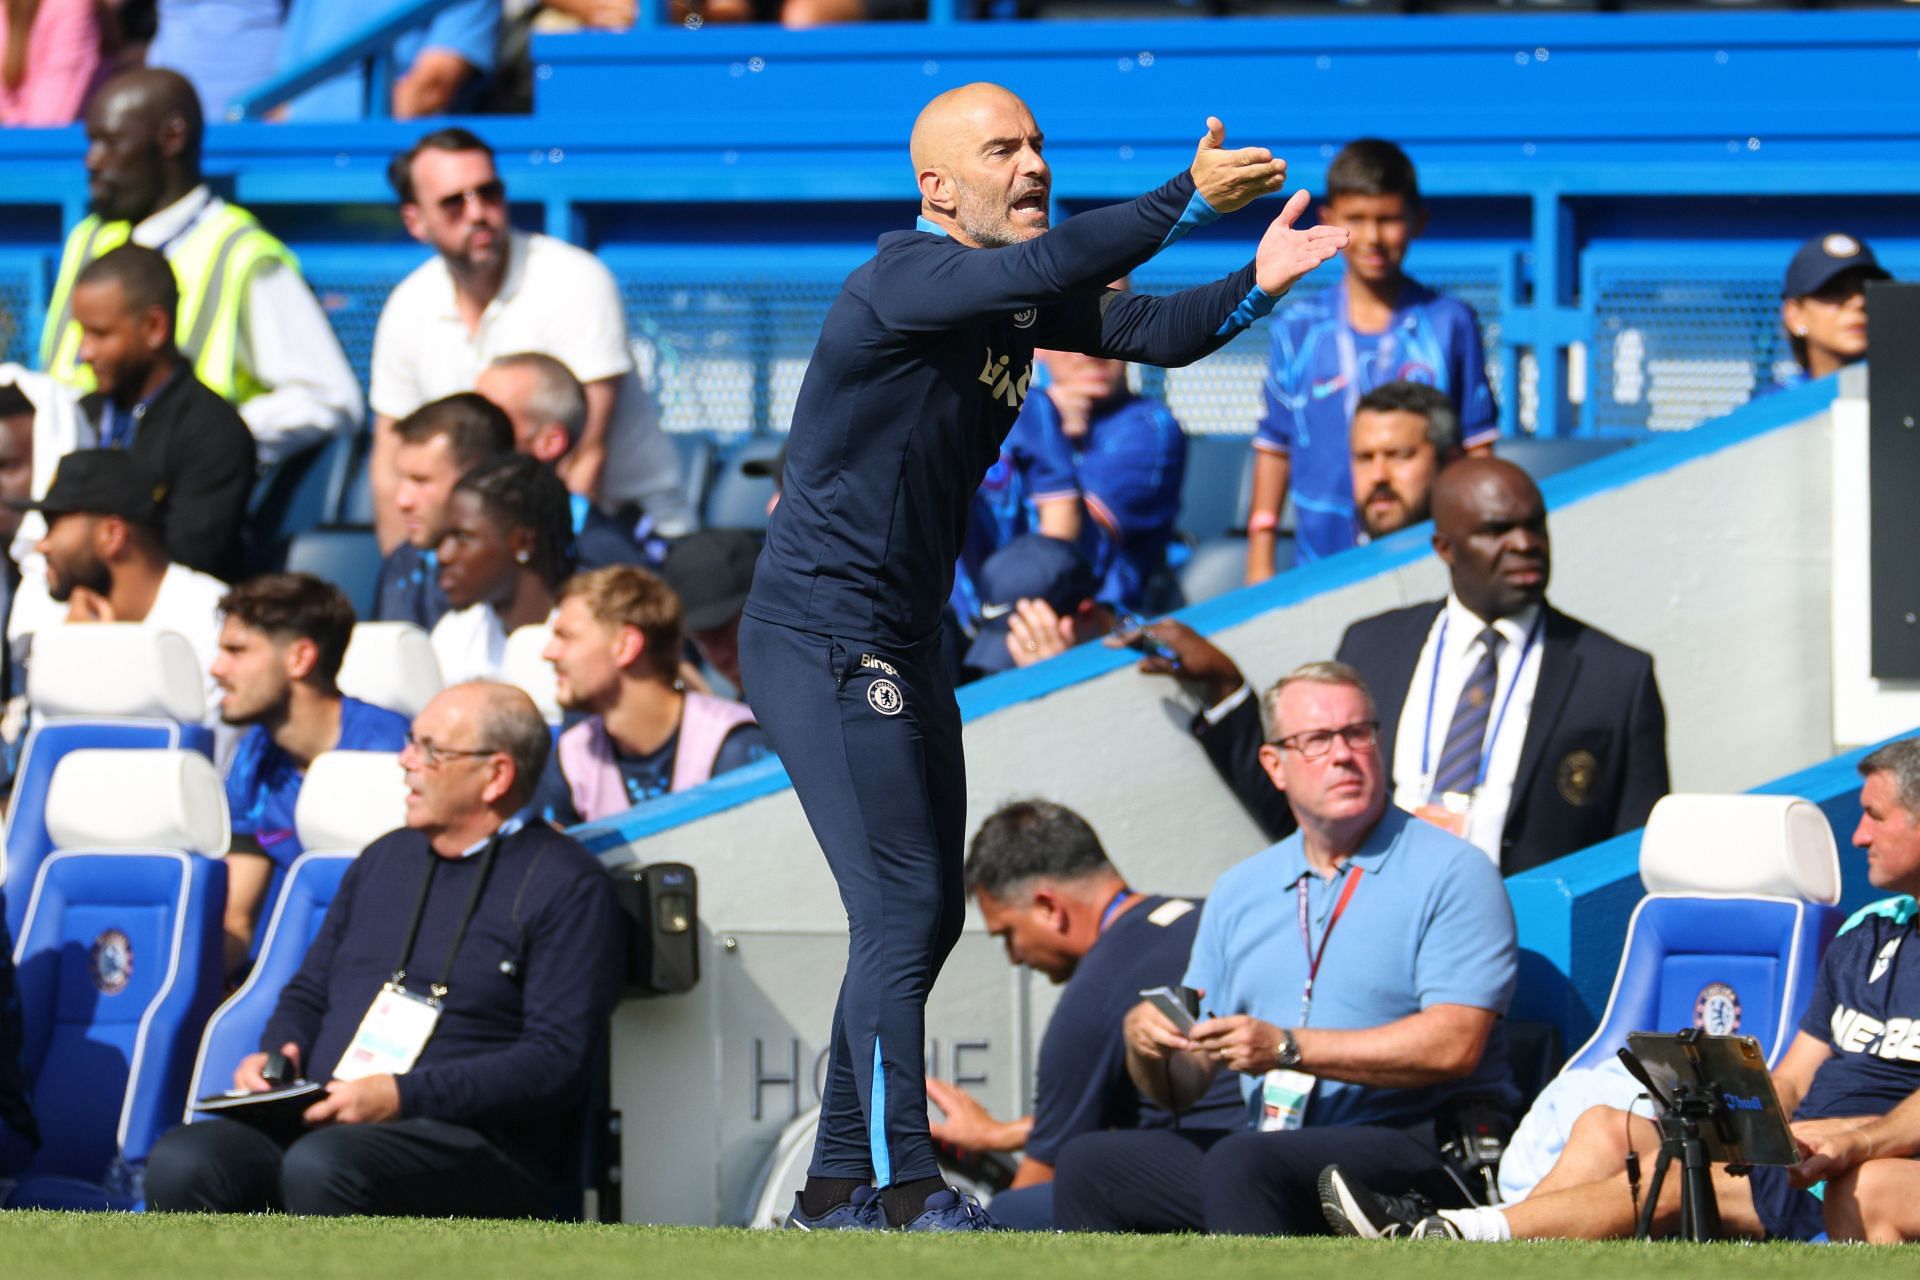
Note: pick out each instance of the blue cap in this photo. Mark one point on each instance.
(1822, 258)
(1031, 567)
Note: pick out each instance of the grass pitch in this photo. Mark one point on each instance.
(51, 1246)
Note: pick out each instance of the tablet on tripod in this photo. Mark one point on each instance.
(1744, 1125)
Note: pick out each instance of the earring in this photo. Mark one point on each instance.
(1801, 332)
(522, 557)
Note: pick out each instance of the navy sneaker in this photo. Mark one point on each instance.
(951, 1210)
(862, 1213)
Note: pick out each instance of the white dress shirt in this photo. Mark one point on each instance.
(556, 299)
(1438, 677)
(284, 340)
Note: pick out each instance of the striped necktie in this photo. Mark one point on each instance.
(1460, 756)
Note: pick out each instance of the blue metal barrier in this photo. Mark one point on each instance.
(371, 44)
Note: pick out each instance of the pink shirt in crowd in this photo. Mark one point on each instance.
(63, 57)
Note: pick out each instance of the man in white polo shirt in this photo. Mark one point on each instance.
(491, 291)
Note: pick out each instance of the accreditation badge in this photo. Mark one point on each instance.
(1283, 1099)
(1450, 813)
(391, 1036)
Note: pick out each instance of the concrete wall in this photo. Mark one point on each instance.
(1710, 550)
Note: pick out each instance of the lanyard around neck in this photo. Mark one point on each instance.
(1306, 931)
(438, 990)
(1493, 731)
(1113, 907)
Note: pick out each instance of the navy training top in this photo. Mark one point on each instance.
(1083, 1084)
(1866, 1006)
(923, 363)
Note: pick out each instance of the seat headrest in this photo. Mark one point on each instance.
(522, 666)
(102, 798)
(1762, 846)
(349, 799)
(391, 664)
(116, 669)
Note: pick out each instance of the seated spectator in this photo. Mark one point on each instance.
(282, 637)
(45, 430)
(49, 58)
(151, 404)
(1848, 1079)
(492, 291)
(506, 550)
(437, 69)
(1351, 1043)
(19, 1133)
(1046, 889)
(438, 443)
(1503, 719)
(1403, 433)
(617, 638)
(223, 48)
(1377, 325)
(1823, 304)
(107, 562)
(513, 926)
(711, 571)
(548, 409)
(1036, 602)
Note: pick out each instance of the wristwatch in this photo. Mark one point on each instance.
(1287, 1052)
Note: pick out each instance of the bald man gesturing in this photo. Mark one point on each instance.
(922, 365)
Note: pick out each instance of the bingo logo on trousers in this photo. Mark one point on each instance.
(884, 696)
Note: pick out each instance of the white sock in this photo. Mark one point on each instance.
(1479, 1224)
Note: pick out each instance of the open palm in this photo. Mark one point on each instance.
(1287, 252)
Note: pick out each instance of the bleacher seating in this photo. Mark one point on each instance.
(392, 665)
(1741, 894)
(98, 685)
(119, 965)
(736, 500)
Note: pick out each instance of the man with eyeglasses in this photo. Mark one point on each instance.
(491, 291)
(451, 1003)
(1353, 975)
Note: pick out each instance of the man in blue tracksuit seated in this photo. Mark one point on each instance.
(922, 365)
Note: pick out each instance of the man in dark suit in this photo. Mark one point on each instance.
(151, 404)
(1527, 731)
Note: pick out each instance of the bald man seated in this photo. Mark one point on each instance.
(922, 365)
(1502, 719)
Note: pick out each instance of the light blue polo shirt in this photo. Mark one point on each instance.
(1429, 923)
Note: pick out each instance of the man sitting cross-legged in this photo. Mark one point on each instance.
(1851, 1080)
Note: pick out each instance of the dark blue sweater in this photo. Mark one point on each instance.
(922, 365)
(511, 1054)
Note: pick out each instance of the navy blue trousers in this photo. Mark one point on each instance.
(870, 736)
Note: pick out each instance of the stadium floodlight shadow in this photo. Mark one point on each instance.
(115, 685)
(119, 965)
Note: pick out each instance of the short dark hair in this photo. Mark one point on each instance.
(1030, 839)
(14, 402)
(475, 427)
(1373, 167)
(452, 138)
(1901, 762)
(144, 277)
(1423, 401)
(296, 606)
(525, 493)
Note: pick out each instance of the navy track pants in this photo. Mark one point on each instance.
(870, 735)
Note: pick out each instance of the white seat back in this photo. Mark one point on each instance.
(116, 669)
(391, 664)
(1740, 846)
(349, 799)
(522, 666)
(102, 798)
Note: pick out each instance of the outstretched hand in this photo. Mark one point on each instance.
(1230, 180)
(1286, 252)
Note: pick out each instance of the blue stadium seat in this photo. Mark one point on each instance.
(696, 463)
(736, 500)
(1219, 565)
(119, 964)
(122, 686)
(294, 494)
(349, 558)
(1218, 487)
(1741, 901)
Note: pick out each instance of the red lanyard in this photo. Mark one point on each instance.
(1306, 933)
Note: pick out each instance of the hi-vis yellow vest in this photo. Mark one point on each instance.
(212, 262)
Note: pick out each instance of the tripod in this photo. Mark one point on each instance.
(1681, 1139)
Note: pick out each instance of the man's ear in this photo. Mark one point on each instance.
(171, 137)
(628, 644)
(1051, 907)
(110, 536)
(156, 329)
(549, 443)
(415, 222)
(1270, 761)
(522, 541)
(301, 657)
(936, 190)
(1443, 547)
(1418, 225)
(500, 780)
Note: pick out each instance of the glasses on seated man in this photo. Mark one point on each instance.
(1361, 735)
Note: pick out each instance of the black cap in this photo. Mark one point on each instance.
(711, 572)
(1031, 567)
(102, 482)
(1822, 258)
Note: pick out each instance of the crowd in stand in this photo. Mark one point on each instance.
(532, 522)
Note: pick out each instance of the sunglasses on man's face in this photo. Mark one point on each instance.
(488, 194)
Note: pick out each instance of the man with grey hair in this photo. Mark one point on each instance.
(1403, 433)
(453, 1002)
(1354, 975)
(1851, 1080)
(1046, 889)
(547, 406)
